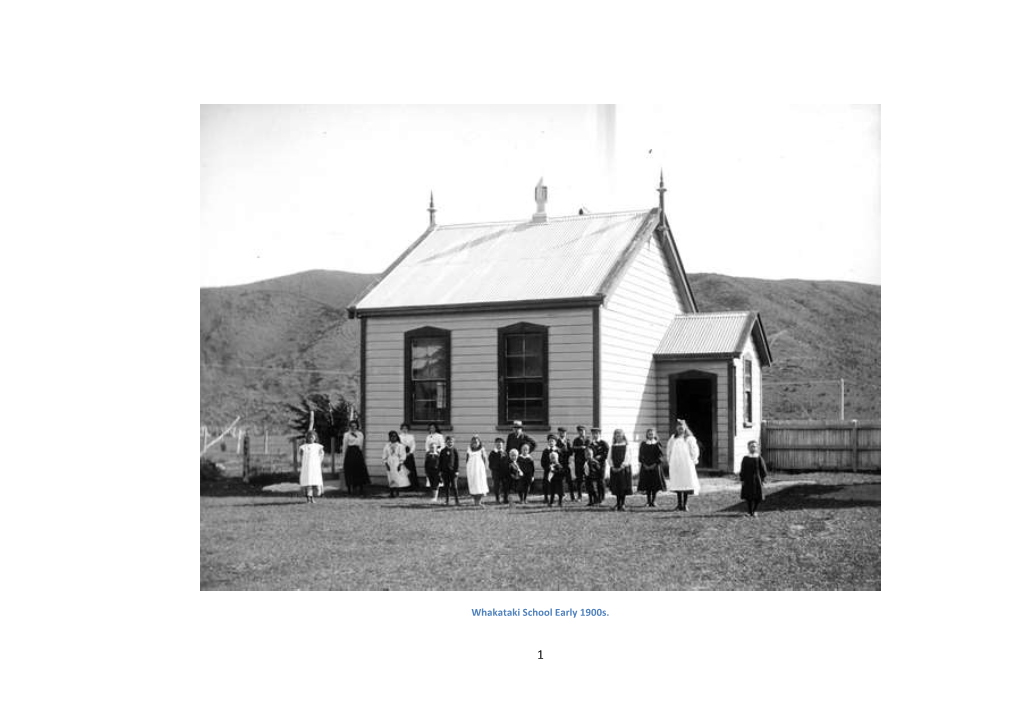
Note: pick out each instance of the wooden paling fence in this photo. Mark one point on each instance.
(253, 454)
(822, 445)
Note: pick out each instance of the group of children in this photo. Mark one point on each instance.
(513, 468)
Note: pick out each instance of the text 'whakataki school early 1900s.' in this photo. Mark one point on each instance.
(582, 319)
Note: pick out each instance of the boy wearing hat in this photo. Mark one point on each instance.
(580, 444)
(518, 438)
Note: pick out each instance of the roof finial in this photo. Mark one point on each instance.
(662, 199)
(541, 195)
(432, 211)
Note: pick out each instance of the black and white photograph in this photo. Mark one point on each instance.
(552, 357)
(540, 348)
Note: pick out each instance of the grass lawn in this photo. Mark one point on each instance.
(818, 531)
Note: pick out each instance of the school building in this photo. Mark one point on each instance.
(555, 321)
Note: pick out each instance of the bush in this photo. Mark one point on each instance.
(210, 471)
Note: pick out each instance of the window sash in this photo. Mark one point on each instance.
(747, 391)
(427, 380)
(523, 365)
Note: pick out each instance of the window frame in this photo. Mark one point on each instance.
(748, 397)
(502, 418)
(409, 336)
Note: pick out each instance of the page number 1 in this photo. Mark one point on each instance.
(539, 655)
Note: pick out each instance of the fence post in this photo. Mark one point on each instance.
(265, 443)
(332, 456)
(293, 447)
(855, 451)
(761, 441)
(246, 460)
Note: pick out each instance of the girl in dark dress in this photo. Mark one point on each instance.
(619, 469)
(577, 447)
(527, 466)
(601, 449)
(752, 473)
(650, 457)
(353, 451)
(591, 472)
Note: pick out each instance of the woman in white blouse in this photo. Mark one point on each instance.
(353, 452)
(407, 438)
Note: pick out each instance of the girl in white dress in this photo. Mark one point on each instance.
(477, 480)
(682, 454)
(311, 467)
(393, 456)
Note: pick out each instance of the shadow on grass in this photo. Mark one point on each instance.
(795, 498)
(270, 502)
(236, 487)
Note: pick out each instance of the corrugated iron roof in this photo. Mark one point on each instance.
(563, 258)
(707, 333)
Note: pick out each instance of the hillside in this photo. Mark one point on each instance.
(265, 344)
(818, 330)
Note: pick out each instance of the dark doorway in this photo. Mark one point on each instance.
(693, 399)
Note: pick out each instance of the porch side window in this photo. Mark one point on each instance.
(427, 376)
(747, 392)
(524, 374)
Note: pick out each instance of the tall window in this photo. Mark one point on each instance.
(427, 376)
(524, 374)
(747, 392)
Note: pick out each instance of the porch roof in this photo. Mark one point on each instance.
(714, 334)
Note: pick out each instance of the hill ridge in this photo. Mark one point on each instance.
(294, 333)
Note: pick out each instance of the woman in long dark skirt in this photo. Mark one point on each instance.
(353, 451)
(619, 469)
(650, 476)
(752, 474)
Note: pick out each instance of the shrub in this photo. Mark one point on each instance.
(210, 471)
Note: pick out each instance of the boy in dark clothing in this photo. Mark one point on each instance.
(449, 469)
(592, 473)
(563, 449)
(432, 471)
(578, 447)
(499, 464)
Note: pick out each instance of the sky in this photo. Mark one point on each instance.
(752, 190)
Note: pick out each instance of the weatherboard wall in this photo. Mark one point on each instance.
(474, 373)
(635, 316)
(752, 432)
(665, 423)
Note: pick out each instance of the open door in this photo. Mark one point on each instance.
(693, 398)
